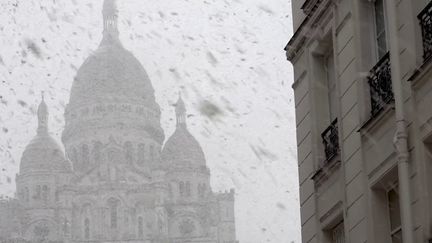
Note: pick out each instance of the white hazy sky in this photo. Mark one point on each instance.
(226, 52)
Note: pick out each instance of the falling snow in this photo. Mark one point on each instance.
(227, 59)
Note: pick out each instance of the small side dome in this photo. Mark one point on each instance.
(182, 148)
(43, 153)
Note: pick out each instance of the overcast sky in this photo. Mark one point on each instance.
(224, 53)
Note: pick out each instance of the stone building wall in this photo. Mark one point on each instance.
(352, 189)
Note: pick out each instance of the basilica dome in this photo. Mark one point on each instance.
(112, 73)
(182, 147)
(111, 91)
(43, 153)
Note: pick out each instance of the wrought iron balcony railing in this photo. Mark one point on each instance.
(380, 83)
(330, 138)
(425, 18)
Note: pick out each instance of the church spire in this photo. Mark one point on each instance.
(180, 110)
(42, 114)
(110, 15)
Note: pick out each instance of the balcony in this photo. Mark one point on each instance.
(380, 83)
(425, 18)
(330, 138)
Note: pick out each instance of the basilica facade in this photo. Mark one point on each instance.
(116, 181)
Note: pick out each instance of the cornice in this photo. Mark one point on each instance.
(314, 10)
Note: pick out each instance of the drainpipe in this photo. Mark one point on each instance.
(401, 136)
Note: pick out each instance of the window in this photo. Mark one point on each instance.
(74, 155)
(141, 154)
(140, 227)
(113, 214)
(200, 190)
(170, 192)
(188, 189)
(26, 194)
(86, 228)
(380, 28)
(181, 188)
(338, 233)
(45, 193)
(85, 154)
(152, 153)
(330, 72)
(394, 215)
(97, 148)
(65, 226)
(128, 152)
(37, 192)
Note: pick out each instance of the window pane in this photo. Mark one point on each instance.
(331, 85)
(394, 209)
(379, 15)
(381, 45)
(380, 28)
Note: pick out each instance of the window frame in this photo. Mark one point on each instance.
(375, 28)
(340, 227)
(396, 230)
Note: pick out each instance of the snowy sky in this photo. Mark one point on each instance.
(226, 53)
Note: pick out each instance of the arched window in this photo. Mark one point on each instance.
(97, 152)
(188, 189)
(140, 227)
(181, 188)
(170, 192)
(200, 191)
(141, 154)
(38, 192)
(73, 155)
(85, 154)
(26, 194)
(65, 226)
(86, 228)
(45, 193)
(128, 149)
(113, 207)
(152, 153)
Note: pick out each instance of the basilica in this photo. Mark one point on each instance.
(116, 180)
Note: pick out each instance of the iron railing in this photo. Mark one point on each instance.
(425, 18)
(330, 138)
(380, 83)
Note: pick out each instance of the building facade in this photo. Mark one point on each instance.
(116, 181)
(363, 96)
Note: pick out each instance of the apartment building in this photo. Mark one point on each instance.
(363, 97)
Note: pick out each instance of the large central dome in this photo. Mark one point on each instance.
(111, 95)
(112, 73)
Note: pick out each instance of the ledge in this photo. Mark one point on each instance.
(315, 11)
(325, 171)
(373, 120)
(420, 72)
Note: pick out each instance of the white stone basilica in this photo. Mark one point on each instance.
(116, 182)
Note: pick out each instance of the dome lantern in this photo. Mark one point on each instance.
(42, 114)
(110, 16)
(180, 110)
